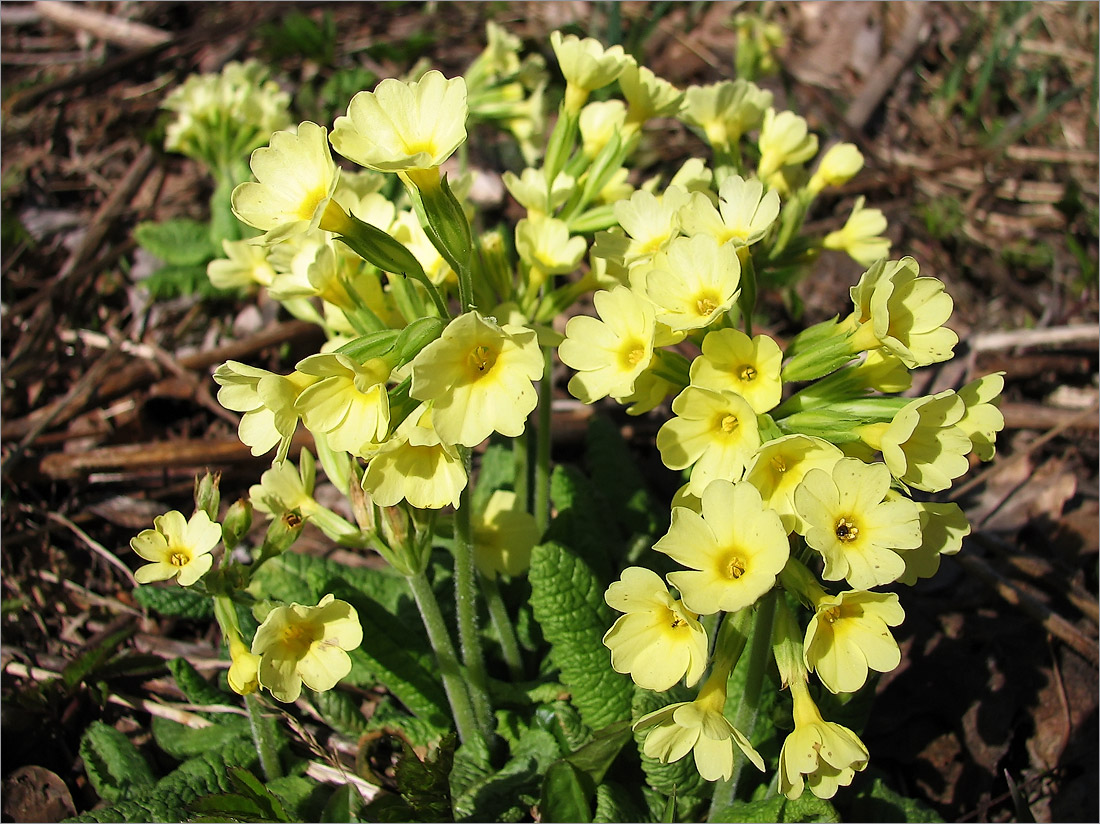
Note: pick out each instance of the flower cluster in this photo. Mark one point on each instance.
(805, 467)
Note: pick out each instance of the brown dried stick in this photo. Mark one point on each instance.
(117, 30)
(886, 71)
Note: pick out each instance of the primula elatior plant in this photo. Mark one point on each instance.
(580, 637)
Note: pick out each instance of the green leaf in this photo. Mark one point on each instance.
(424, 786)
(115, 767)
(875, 801)
(595, 758)
(249, 801)
(179, 242)
(85, 665)
(582, 522)
(614, 803)
(565, 794)
(305, 579)
(341, 712)
(176, 602)
(615, 473)
(182, 742)
(166, 801)
(497, 471)
(344, 805)
(390, 718)
(504, 795)
(567, 598)
(195, 688)
(175, 281)
(805, 808)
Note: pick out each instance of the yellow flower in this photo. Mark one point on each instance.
(904, 313)
(839, 164)
(779, 466)
(244, 264)
(609, 354)
(732, 361)
(414, 465)
(650, 224)
(599, 122)
(849, 522)
(818, 753)
(648, 95)
(301, 644)
(715, 433)
(244, 671)
(784, 140)
(284, 488)
(478, 377)
(922, 445)
(693, 282)
(532, 193)
(176, 548)
(861, 237)
(267, 401)
(586, 66)
(544, 244)
(698, 727)
(296, 177)
(504, 535)
(657, 642)
(744, 214)
(404, 126)
(724, 111)
(849, 635)
(982, 420)
(347, 403)
(734, 549)
(942, 529)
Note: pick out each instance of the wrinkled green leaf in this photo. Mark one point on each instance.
(115, 767)
(568, 601)
(806, 808)
(177, 602)
(875, 801)
(182, 742)
(565, 794)
(180, 242)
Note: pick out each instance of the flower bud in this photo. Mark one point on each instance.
(238, 520)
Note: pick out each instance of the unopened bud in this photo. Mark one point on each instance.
(207, 496)
(238, 520)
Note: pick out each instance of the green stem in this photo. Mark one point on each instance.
(449, 668)
(466, 606)
(521, 460)
(502, 623)
(261, 737)
(542, 458)
(745, 721)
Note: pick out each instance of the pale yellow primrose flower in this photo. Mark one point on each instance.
(176, 548)
(942, 529)
(861, 237)
(657, 642)
(647, 95)
(902, 312)
(244, 671)
(414, 465)
(784, 140)
(408, 231)
(650, 224)
(245, 264)
(348, 403)
(849, 635)
(693, 282)
(284, 488)
(982, 420)
(837, 166)
(532, 193)
(267, 401)
(779, 466)
(744, 214)
(715, 433)
(610, 353)
(650, 390)
(818, 753)
(544, 244)
(404, 126)
(855, 529)
(586, 66)
(750, 367)
(301, 644)
(734, 549)
(504, 535)
(726, 110)
(295, 176)
(922, 445)
(599, 122)
(698, 727)
(478, 377)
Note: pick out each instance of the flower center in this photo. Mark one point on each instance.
(312, 199)
(779, 464)
(297, 638)
(747, 373)
(734, 567)
(729, 424)
(179, 558)
(846, 530)
(705, 306)
(482, 359)
(632, 354)
(831, 615)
